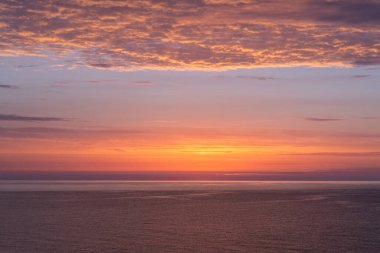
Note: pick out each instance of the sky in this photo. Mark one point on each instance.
(245, 89)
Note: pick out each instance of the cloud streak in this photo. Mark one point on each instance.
(204, 34)
(7, 86)
(344, 154)
(322, 119)
(259, 78)
(182, 135)
(360, 76)
(13, 117)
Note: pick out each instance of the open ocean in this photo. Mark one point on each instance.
(122, 216)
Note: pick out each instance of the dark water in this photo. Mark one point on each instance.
(198, 217)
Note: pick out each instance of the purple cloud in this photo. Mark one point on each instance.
(7, 86)
(322, 119)
(13, 117)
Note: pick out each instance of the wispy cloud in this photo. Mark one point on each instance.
(348, 154)
(73, 133)
(369, 117)
(360, 76)
(7, 86)
(322, 119)
(205, 34)
(144, 83)
(180, 135)
(64, 83)
(21, 66)
(260, 78)
(13, 117)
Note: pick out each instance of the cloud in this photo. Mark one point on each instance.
(211, 136)
(7, 86)
(369, 117)
(360, 76)
(346, 11)
(322, 119)
(13, 117)
(144, 83)
(348, 154)
(260, 78)
(53, 133)
(21, 66)
(203, 34)
(65, 83)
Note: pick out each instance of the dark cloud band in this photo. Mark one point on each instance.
(7, 86)
(322, 119)
(13, 117)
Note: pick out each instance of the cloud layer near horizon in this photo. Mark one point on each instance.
(208, 34)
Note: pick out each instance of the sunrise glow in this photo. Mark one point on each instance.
(278, 86)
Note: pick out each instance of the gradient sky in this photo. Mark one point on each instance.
(192, 85)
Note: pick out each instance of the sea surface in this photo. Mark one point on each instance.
(125, 216)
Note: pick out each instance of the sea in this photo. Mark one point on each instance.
(182, 216)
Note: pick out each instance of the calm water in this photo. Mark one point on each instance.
(189, 217)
